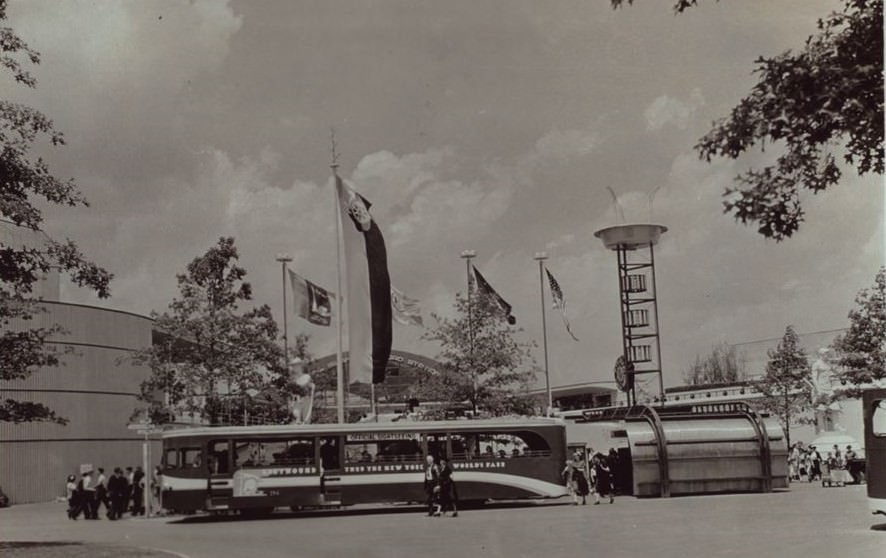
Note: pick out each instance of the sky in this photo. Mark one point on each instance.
(491, 125)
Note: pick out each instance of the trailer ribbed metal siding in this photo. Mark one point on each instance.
(93, 391)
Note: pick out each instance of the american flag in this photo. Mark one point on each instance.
(559, 301)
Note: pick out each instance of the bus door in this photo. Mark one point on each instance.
(329, 453)
(219, 469)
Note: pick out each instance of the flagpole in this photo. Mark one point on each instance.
(339, 368)
(541, 257)
(284, 259)
(467, 255)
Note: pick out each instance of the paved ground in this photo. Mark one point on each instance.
(806, 522)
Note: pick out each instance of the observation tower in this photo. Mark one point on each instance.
(634, 245)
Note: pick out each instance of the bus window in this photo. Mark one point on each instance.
(219, 460)
(191, 458)
(170, 458)
(878, 422)
(367, 448)
(408, 448)
(436, 444)
(292, 451)
(464, 446)
(512, 444)
(251, 453)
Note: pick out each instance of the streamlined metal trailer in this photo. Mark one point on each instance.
(692, 449)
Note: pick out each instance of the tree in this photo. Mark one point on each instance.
(785, 386)
(25, 179)
(862, 349)
(215, 358)
(720, 367)
(481, 360)
(825, 98)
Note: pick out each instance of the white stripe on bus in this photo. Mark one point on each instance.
(177, 483)
(533, 486)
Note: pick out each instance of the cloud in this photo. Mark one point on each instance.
(665, 110)
(558, 144)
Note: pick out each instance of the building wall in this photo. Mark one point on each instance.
(95, 389)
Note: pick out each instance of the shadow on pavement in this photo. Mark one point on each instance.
(352, 511)
(879, 527)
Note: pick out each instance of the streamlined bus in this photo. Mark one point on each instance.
(255, 469)
(874, 402)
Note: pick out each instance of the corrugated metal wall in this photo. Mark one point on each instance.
(94, 390)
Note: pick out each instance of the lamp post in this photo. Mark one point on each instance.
(541, 257)
(284, 259)
(467, 256)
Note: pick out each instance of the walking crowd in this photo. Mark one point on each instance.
(601, 482)
(835, 468)
(122, 492)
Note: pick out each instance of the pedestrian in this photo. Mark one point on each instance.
(87, 495)
(580, 478)
(101, 493)
(118, 494)
(851, 465)
(602, 479)
(448, 491)
(130, 496)
(138, 492)
(157, 487)
(569, 473)
(614, 468)
(432, 485)
(815, 459)
(73, 496)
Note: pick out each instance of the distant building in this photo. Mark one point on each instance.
(93, 389)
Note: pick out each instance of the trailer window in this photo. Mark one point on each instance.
(878, 421)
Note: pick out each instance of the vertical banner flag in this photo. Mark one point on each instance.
(370, 330)
(406, 309)
(483, 285)
(559, 301)
(310, 301)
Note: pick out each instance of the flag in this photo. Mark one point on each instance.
(483, 285)
(370, 330)
(310, 301)
(559, 301)
(406, 309)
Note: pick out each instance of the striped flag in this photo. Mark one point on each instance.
(406, 309)
(310, 301)
(559, 301)
(484, 286)
(370, 331)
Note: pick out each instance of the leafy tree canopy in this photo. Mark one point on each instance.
(862, 349)
(483, 365)
(215, 357)
(812, 104)
(786, 384)
(721, 366)
(25, 182)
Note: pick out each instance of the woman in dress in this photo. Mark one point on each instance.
(603, 481)
(579, 478)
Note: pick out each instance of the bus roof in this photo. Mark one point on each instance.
(417, 426)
